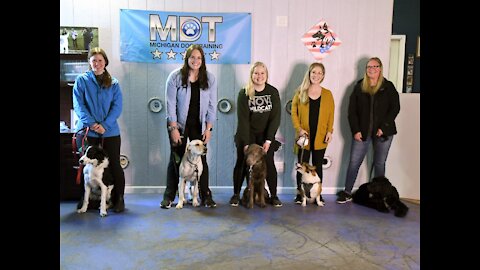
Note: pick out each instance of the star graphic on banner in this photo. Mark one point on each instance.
(157, 54)
(184, 53)
(214, 55)
(171, 54)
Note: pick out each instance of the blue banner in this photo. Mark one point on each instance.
(163, 37)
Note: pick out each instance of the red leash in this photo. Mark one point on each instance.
(77, 155)
(83, 149)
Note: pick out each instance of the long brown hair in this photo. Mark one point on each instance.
(107, 78)
(366, 88)
(202, 73)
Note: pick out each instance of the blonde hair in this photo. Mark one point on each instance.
(249, 90)
(366, 88)
(303, 88)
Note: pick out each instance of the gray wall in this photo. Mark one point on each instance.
(363, 26)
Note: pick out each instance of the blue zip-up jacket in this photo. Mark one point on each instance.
(178, 100)
(93, 104)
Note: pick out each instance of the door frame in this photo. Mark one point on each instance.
(397, 60)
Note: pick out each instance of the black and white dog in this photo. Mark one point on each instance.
(191, 169)
(381, 195)
(97, 178)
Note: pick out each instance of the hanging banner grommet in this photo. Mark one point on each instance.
(327, 162)
(155, 104)
(288, 107)
(124, 161)
(224, 105)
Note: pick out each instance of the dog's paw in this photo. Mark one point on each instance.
(195, 203)
(304, 203)
(383, 210)
(319, 202)
(179, 205)
(262, 205)
(82, 210)
(103, 213)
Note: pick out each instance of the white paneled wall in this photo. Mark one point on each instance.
(363, 26)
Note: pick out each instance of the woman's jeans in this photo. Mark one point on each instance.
(381, 146)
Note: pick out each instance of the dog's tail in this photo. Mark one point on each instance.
(400, 209)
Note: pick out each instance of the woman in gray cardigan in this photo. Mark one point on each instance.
(191, 95)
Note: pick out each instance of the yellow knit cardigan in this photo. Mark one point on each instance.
(325, 119)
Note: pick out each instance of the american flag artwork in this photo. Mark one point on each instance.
(320, 40)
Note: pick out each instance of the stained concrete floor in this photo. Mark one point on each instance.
(291, 237)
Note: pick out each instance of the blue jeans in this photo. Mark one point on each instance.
(359, 151)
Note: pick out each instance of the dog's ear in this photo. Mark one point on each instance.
(311, 167)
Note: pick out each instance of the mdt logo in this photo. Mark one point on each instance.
(183, 28)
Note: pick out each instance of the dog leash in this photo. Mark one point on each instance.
(303, 146)
(76, 153)
(196, 169)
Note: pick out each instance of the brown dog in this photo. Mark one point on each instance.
(257, 172)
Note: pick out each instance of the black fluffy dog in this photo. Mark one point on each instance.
(381, 195)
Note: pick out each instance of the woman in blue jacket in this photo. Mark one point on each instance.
(191, 96)
(97, 101)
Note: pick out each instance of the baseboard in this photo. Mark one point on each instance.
(414, 201)
(220, 189)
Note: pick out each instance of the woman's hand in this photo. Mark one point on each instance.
(206, 136)
(302, 132)
(358, 136)
(266, 146)
(328, 137)
(175, 137)
(98, 128)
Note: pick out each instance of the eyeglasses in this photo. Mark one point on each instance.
(373, 66)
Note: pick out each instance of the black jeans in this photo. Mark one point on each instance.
(111, 145)
(240, 171)
(317, 161)
(173, 167)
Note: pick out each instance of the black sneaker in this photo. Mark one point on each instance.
(120, 205)
(209, 202)
(298, 199)
(234, 200)
(343, 197)
(166, 204)
(276, 202)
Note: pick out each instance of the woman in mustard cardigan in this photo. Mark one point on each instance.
(312, 114)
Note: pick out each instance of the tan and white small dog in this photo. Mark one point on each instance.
(311, 186)
(190, 169)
